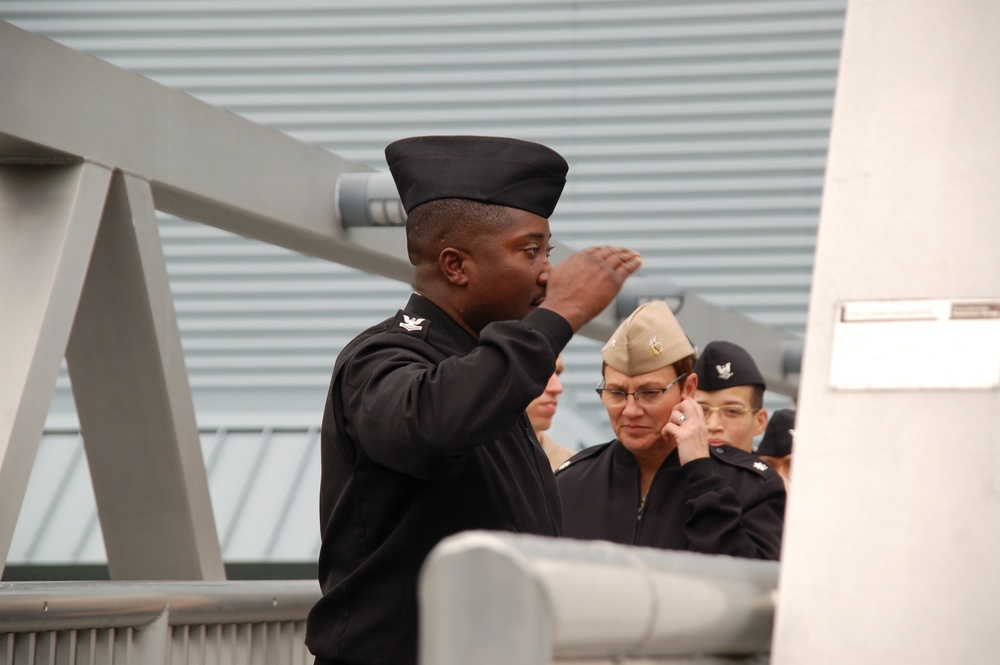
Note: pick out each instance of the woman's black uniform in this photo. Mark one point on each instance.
(729, 503)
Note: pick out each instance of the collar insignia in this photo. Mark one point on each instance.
(411, 324)
(725, 371)
(655, 345)
(760, 466)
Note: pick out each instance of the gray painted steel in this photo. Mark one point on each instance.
(136, 413)
(545, 600)
(695, 131)
(40, 606)
(135, 406)
(50, 223)
(252, 623)
(131, 387)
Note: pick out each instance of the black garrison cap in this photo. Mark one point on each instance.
(724, 365)
(508, 172)
(779, 435)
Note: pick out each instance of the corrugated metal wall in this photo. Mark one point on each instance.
(696, 132)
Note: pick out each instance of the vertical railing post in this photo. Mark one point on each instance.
(151, 643)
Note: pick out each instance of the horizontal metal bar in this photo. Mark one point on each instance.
(203, 163)
(49, 606)
(587, 599)
(283, 191)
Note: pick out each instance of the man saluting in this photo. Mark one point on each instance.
(424, 433)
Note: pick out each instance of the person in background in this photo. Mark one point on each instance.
(659, 483)
(775, 447)
(541, 411)
(424, 431)
(731, 395)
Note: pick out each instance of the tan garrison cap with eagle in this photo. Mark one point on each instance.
(650, 338)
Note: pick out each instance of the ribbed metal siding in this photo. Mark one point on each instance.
(696, 131)
(263, 482)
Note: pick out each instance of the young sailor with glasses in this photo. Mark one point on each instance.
(731, 395)
(659, 483)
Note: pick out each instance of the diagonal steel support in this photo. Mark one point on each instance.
(204, 164)
(134, 403)
(49, 217)
(58, 148)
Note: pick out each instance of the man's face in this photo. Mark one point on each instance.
(639, 426)
(732, 422)
(508, 271)
(543, 408)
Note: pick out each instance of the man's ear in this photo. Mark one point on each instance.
(452, 264)
(760, 423)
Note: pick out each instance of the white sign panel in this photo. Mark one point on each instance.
(916, 344)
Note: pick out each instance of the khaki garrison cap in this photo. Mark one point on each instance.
(649, 339)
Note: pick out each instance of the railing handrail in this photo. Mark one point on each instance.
(548, 598)
(52, 606)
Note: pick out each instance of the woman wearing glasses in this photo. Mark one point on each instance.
(659, 483)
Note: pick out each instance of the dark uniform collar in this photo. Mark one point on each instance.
(624, 456)
(421, 306)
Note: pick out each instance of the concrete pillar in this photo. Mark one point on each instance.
(892, 548)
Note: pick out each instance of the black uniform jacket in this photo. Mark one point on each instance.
(424, 435)
(729, 503)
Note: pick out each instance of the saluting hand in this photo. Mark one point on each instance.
(581, 287)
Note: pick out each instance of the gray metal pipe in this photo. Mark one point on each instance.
(49, 606)
(369, 199)
(497, 598)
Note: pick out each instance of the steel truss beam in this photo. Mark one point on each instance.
(80, 137)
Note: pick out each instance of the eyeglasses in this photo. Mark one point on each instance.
(727, 412)
(644, 397)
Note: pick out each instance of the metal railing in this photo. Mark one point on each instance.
(81, 177)
(548, 600)
(155, 623)
(543, 600)
(77, 208)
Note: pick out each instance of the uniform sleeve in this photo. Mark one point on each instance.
(415, 411)
(718, 522)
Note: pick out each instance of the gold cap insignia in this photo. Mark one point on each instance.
(655, 345)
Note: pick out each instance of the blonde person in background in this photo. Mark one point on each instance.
(541, 411)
